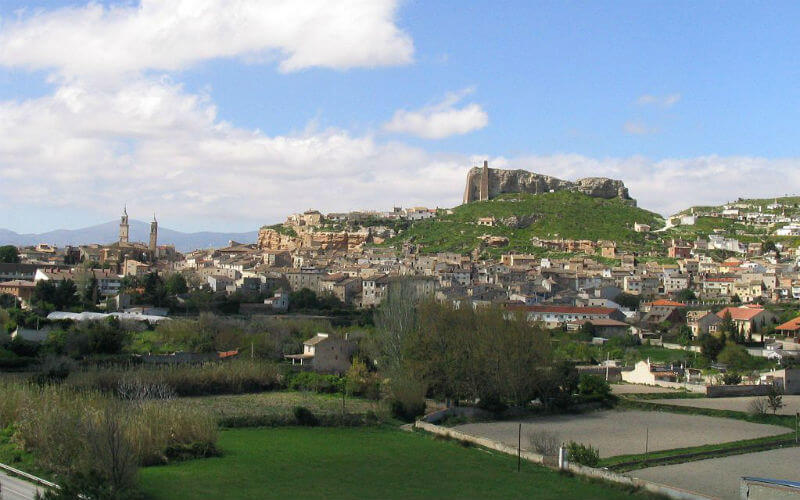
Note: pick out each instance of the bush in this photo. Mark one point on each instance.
(757, 407)
(582, 454)
(492, 403)
(731, 378)
(304, 416)
(407, 398)
(316, 382)
(593, 387)
(544, 442)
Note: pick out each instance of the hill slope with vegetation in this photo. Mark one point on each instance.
(521, 217)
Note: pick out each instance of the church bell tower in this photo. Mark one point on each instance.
(154, 238)
(124, 229)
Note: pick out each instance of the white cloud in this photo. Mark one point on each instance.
(163, 149)
(665, 101)
(97, 41)
(441, 120)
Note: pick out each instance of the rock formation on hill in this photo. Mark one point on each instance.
(486, 183)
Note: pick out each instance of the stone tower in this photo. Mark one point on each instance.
(484, 194)
(124, 229)
(154, 238)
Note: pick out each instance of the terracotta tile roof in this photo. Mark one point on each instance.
(792, 324)
(665, 302)
(741, 313)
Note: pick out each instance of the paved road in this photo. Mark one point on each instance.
(12, 488)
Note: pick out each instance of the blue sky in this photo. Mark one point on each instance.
(655, 93)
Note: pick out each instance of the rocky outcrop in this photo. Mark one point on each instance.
(487, 183)
(270, 239)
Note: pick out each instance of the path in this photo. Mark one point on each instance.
(12, 488)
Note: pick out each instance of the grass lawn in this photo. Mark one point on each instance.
(276, 406)
(375, 462)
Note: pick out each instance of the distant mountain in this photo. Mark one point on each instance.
(140, 231)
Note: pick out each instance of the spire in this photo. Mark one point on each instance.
(125, 209)
(154, 217)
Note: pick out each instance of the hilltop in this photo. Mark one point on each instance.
(748, 220)
(522, 216)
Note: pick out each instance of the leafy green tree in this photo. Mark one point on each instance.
(684, 335)
(155, 292)
(9, 254)
(58, 295)
(628, 300)
(735, 357)
(686, 295)
(176, 284)
(593, 386)
(711, 346)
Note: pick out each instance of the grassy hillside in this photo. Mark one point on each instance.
(552, 215)
(707, 224)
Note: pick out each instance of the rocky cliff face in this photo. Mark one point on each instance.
(269, 239)
(521, 181)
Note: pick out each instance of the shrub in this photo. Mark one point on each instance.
(757, 406)
(544, 442)
(493, 403)
(316, 382)
(774, 399)
(582, 454)
(407, 398)
(304, 416)
(731, 378)
(593, 387)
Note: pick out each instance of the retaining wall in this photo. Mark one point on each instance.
(725, 391)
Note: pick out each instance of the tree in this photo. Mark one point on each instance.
(685, 336)
(710, 346)
(9, 254)
(774, 399)
(628, 300)
(735, 357)
(686, 295)
(176, 284)
(728, 327)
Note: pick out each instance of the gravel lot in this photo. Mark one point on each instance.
(623, 432)
(639, 389)
(736, 404)
(719, 477)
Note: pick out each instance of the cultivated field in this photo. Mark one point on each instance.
(616, 432)
(358, 463)
(735, 404)
(719, 477)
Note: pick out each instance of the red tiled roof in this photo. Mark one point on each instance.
(741, 313)
(665, 302)
(792, 324)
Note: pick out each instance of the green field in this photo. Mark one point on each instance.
(358, 463)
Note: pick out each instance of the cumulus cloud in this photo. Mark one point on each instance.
(441, 120)
(664, 101)
(98, 41)
(161, 148)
